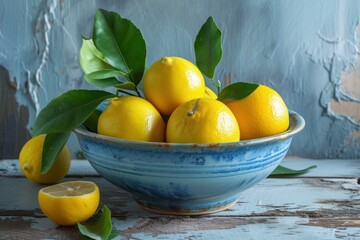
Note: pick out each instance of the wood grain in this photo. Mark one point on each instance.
(277, 208)
(206, 228)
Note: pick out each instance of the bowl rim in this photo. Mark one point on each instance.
(297, 123)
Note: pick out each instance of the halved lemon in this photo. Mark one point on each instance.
(69, 203)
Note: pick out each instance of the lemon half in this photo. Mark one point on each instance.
(69, 203)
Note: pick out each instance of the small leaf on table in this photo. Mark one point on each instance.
(237, 91)
(54, 142)
(69, 110)
(121, 42)
(99, 226)
(284, 171)
(208, 50)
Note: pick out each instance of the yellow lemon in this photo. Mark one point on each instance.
(132, 118)
(69, 203)
(202, 120)
(172, 81)
(30, 162)
(210, 94)
(262, 113)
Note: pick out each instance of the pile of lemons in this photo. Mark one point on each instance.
(177, 108)
(175, 89)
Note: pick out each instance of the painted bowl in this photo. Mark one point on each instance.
(186, 179)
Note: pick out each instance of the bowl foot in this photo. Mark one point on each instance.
(187, 211)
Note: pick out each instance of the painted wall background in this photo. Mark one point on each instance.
(307, 50)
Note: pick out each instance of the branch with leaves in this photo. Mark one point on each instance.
(114, 57)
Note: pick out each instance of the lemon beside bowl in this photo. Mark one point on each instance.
(186, 179)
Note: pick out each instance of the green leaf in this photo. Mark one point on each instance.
(237, 91)
(114, 234)
(53, 144)
(98, 71)
(105, 73)
(69, 110)
(126, 86)
(208, 50)
(121, 42)
(99, 226)
(104, 78)
(91, 60)
(284, 171)
(106, 82)
(92, 121)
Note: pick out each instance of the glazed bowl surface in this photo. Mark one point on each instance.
(186, 179)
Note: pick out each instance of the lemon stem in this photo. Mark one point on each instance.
(217, 84)
(26, 166)
(125, 92)
(190, 113)
(166, 60)
(137, 91)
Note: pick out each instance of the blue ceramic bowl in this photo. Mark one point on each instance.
(186, 179)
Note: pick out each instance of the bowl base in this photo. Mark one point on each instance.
(188, 212)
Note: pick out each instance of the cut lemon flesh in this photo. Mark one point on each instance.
(74, 188)
(69, 203)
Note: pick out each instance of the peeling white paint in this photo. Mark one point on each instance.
(46, 31)
(350, 82)
(346, 102)
(347, 184)
(355, 135)
(349, 110)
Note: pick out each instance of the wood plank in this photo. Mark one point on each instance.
(278, 208)
(11, 168)
(272, 197)
(325, 167)
(170, 228)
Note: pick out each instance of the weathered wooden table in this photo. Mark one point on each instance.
(322, 204)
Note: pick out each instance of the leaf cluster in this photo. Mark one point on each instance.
(113, 57)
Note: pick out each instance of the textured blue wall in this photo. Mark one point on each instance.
(307, 50)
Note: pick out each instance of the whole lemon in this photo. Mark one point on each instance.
(172, 81)
(69, 203)
(202, 120)
(262, 113)
(132, 118)
(30, 162)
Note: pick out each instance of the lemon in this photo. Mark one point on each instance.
(172, 81)
(262, 113)
(132, 118)
(30, 162)
(69, 203)
(209, 93)
(202, 120)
